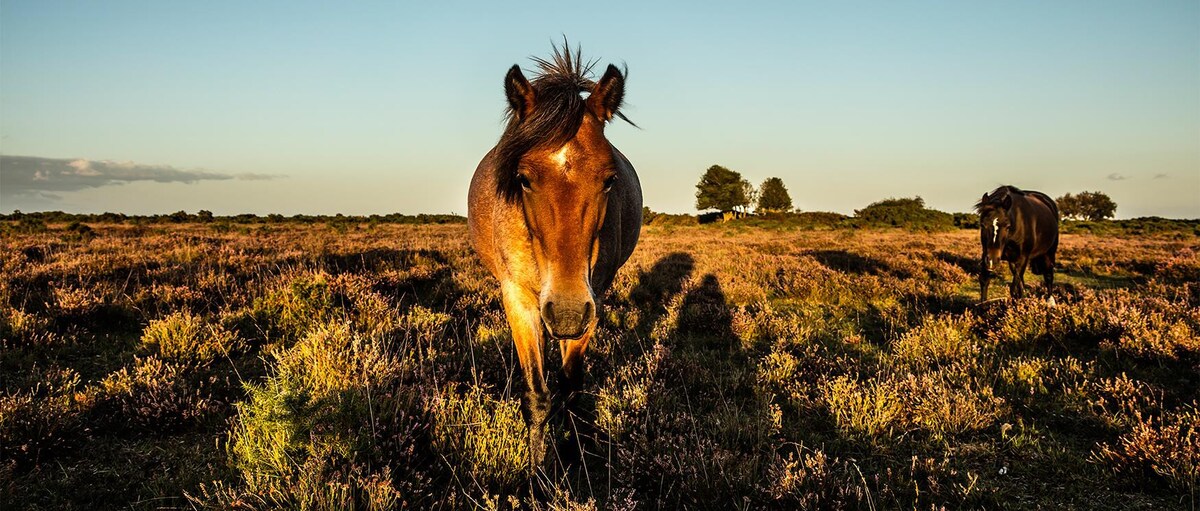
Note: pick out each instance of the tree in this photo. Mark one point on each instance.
(1086, 206)
(723, 189)
(773, 196)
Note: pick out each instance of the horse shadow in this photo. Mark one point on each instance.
(705, 372)
(704, 313)
(657, 286)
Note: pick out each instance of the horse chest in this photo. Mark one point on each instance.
(1012, 250)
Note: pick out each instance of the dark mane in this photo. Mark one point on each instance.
(555, 119)
(997, 196)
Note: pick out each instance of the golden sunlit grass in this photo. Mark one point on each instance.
(370, 367)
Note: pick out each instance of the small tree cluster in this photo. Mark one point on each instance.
(1086, 206)
(727, 191)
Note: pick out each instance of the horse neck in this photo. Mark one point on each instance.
(1018, 219)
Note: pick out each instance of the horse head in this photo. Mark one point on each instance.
(995, 226)
(563, 180)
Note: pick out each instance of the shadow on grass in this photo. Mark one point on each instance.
(854, 264)
(657, 286)
(1094, 281)
(703, 430)
(968, 265)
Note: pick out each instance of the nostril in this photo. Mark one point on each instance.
(589, 310)
(548, 312)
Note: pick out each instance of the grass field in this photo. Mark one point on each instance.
(369, 367)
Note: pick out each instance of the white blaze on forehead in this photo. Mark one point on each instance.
(561, 155)
(995, 229)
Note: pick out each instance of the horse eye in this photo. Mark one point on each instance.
(608, 183)
(524, 180)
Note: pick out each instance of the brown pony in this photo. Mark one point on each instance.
(554, 211)
(1020, 227)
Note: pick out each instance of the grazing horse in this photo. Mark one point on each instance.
(554, 210)
(1020, 227)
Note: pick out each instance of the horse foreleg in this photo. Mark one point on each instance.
(984, 277)
(524, 318)
(1018, 271)
(1048, 277)
(1013, 292)
(572, 359)
(570, 380)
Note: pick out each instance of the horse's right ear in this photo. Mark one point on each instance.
(608, 93)
(984, 199)
(1006, 201)
(519, 92)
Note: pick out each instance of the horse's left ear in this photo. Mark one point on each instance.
(1006, 201)
(519, 91)
(608, 93)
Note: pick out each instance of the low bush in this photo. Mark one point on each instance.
(907, 213)
(185, 337)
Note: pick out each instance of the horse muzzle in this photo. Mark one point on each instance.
(989, 266)
(567, 319)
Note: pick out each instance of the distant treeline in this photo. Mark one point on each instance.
(246, 218)
(911, 214)
(907, 213)
(904, 213)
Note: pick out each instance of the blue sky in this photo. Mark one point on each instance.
(150, 107)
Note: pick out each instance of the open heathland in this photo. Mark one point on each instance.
(369, 366)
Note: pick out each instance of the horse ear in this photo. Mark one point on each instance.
(608, 93)
(984, 199)
(1006, 201)
(519, 92)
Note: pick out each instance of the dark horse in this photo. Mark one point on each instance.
(1020, 227)
(554, 211)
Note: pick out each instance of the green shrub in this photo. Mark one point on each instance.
(907, 213)
(185, 337)
(295, 305)
(871, 409)
(940, 404)
(333, 406)
(945, 404)
(937, 340)
(486, 436)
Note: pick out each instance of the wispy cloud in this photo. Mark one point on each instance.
(36, 177)
(1161, 176)
(251, 176)
(1116, 177)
